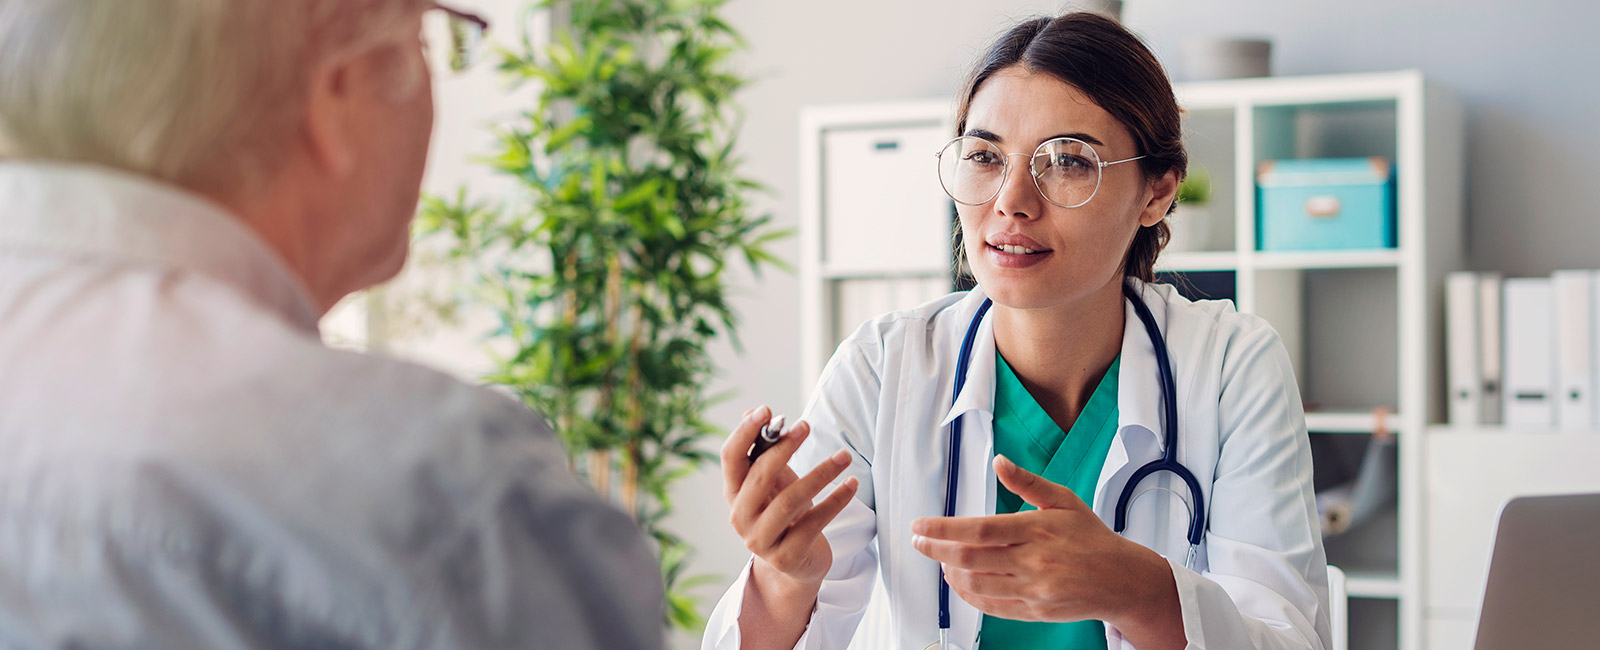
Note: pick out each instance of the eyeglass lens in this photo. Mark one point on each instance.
(1066, 171)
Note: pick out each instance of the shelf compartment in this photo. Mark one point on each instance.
(1369, 554)
(1202, 285)
(1356, 129)
(1209, 137)
(1374, 624)
(1334, 130)
(1347, 354)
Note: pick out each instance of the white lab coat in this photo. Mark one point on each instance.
(1260, 579)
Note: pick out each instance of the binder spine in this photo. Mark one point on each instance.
(1490, 338)
(1573, 293)
(1462, 347)
(1530, 347)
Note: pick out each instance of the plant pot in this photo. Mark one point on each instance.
(1207, 59)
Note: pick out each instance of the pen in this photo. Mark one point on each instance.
(770, 434)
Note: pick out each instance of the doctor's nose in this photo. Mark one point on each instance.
(1019, 196)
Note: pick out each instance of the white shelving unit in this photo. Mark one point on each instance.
(1363, 328)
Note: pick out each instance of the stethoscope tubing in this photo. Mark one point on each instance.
(953, 474)
(1169, 456)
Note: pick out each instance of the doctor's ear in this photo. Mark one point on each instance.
(1163, 191)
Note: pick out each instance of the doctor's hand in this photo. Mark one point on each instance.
(1059, 563)
(773, 509)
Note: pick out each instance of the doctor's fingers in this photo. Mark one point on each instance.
(992, 530)
(801, 537)
(771, 472)
(1008, 608)
(739, 473)
(775, 508)
(990, 585)
(793, 512)
(988, 559)
(735, 450)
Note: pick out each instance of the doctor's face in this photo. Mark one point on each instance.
(1075, 251)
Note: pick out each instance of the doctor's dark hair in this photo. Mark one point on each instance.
(1113, 67)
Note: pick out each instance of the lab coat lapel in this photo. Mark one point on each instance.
(1139, 411)
(975, 488)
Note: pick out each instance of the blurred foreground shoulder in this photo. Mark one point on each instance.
(504, 537)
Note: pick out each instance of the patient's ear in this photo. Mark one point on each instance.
(332, 104)
(1163, 191)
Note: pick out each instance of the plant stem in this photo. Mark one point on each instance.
(630, 480)
(613, 317)
(600, 471)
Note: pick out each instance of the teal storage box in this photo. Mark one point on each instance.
(1325, 204)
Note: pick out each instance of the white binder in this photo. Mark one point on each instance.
(882, 207)
(1530, 348)
(1462, 348)
(1491, 341)
(1573, 293)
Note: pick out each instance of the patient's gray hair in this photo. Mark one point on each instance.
(202, 93)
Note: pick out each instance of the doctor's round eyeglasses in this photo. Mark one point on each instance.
(1067, 171)
(466, 36)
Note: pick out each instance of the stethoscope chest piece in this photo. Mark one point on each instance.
(941, 646)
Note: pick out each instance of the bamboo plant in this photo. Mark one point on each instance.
(610, 277)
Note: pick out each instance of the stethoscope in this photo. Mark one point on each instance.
(1167, 463)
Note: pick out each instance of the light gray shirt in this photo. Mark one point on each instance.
(183, 464)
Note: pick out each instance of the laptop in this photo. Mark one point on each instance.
(1544, 576)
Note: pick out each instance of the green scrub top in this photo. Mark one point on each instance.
(1024, 433)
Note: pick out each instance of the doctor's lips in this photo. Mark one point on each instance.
(1015, 244)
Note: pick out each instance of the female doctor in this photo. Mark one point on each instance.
(1083, 395)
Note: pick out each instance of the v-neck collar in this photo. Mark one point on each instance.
(1018, 409)
(1062, 453)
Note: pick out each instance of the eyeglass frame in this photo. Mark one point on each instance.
(479, 22)
(1005, 170)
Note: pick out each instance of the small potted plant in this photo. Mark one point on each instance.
(1191, 220)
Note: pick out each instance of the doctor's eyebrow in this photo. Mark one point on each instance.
(993, 137)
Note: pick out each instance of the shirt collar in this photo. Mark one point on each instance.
(977, 394)
(99, 213)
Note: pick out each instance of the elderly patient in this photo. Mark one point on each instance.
(187, 186)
